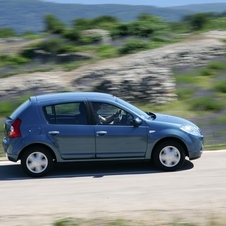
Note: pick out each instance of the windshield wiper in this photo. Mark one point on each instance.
(151, 114)
(8, 117)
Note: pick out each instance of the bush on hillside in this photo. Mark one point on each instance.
(56, 46)
(133, 46)
(220, 86)
(7, 32)
(13, 60)
(207, 104)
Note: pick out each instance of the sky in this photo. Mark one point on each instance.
(159, 3)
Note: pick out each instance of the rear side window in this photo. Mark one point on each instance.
(20, 109)
(67, 113)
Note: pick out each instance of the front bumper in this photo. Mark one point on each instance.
(197, 152)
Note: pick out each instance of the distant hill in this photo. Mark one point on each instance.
(214, 7)
(24, 15)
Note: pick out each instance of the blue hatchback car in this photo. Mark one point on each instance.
(90, 126)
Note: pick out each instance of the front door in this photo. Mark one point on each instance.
(120, 141)
(116, 137)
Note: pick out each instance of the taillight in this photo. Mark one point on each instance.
(15, 129)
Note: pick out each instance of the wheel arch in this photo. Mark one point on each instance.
(38, 145)
(170, 139)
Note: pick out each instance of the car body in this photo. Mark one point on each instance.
(51, 128)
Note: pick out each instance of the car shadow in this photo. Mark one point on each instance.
(91, 169)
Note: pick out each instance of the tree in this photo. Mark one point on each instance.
(82, 24)
(53, 24)
(104, 19)
(198, 21)
(7, 32)
(147, 25)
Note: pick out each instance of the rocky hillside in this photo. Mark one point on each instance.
(145, 76)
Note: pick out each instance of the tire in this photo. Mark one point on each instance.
(169, 155)
(36, 161)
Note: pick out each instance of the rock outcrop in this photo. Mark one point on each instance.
(145, 77)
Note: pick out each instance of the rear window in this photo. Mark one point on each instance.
(20, 109)
(66, 113)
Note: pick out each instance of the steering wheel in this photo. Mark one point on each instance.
(120, 115)
(118, 118)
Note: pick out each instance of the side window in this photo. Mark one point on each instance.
(107, 114)
(66, 113)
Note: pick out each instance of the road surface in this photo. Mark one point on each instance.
(136, 191)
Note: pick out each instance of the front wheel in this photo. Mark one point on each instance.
(169, 155)
(36, 161)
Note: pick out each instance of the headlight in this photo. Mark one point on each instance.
(191, 129)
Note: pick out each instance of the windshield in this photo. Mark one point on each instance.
(139, 112)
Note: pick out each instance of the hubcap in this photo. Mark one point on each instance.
(37, 162)
(169, 156)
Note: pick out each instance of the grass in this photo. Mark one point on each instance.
(217, 65)
(1, 135)
(220, 86)
(122, 222)
(207, 104)
(185, 93)
(178, 108)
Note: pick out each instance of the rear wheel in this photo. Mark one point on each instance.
(169, 155)
(37, 161)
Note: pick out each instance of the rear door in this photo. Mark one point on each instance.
(74, 139)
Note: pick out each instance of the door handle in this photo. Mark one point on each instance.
(101, 133)
(54, 132)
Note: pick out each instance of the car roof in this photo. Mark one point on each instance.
(72, 96)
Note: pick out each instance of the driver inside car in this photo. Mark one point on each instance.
(112, 119)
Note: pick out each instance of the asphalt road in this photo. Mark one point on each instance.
(136, 191)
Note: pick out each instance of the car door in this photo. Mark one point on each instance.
(70, 131)
(119, 140)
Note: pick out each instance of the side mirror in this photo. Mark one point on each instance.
(137, 122)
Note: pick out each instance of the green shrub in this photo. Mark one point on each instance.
(53, 24)
(6, 108)
(31, 35)
(18, 60)
(72, 34)
(207, 72)
(185, 78)
(13, 60)
(216, 65)
(121, 29)
(133, 46)
(89, 39)
(159, 39)
(221, 119)
(220, 86)
(55, 46)
(27, 53)
(107, 51)
(207, 104)
(7, 32)
(66, 222)
(185, 93)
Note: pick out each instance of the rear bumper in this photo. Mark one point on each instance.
(8, 150)
(4, 144)
(11, 158)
